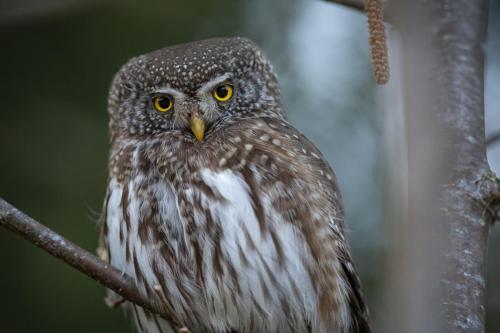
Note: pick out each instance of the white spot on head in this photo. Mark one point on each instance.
(231, 152)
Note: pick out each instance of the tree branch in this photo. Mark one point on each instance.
(355, 4)
(87, 263)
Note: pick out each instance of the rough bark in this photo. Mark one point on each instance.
(471, 185)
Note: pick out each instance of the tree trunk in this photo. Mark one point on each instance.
(437, 271)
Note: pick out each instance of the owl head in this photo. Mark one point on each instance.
(193, 89)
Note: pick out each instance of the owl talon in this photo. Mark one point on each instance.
(102, 253)
(114, 301)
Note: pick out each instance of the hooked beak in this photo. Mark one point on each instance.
(197, 126)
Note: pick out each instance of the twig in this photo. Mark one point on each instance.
(492, 139)
(356, 4)
(59, 247)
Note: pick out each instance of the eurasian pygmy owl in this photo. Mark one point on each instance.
(216, 206)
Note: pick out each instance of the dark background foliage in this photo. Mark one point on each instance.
(56, 62)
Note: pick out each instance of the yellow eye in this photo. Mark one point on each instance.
(163, 103)
(223, 92)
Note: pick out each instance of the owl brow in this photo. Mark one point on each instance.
(207, 87)
(170, 91)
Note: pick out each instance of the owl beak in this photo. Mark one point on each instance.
(197, 126)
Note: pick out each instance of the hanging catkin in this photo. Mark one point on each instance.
(378, 43)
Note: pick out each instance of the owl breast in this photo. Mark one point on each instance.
(220, 269)
(246, 236)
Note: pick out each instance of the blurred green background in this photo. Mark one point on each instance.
(56, 62)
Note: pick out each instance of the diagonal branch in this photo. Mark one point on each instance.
(87, 263)
(493, 139)
(356, 4)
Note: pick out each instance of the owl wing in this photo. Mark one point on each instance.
(112, 299)
(327, 181)
(279, 202)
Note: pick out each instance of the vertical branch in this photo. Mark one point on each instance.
(440, 253)
(461, 32)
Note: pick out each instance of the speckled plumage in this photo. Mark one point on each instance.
(241, 232)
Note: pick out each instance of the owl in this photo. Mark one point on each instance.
(216, 206)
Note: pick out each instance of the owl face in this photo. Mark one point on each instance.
(193, 89)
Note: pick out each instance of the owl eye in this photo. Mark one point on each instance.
(163, 103)
(223, 92)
